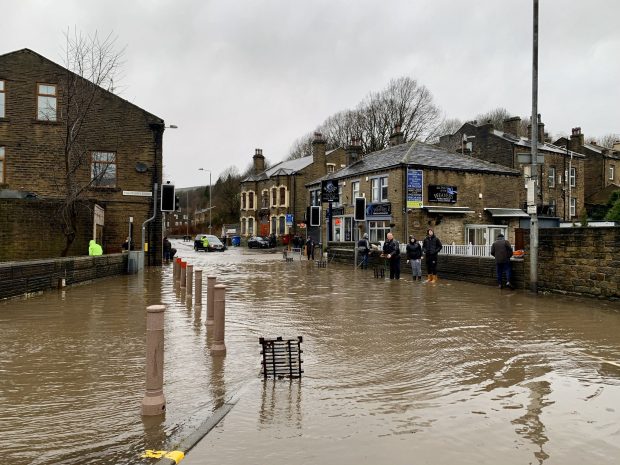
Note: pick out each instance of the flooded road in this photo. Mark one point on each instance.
(395, 372)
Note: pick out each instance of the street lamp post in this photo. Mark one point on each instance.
(204, 169)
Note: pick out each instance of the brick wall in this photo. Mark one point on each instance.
(41, 275)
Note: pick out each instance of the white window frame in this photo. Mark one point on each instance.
(315, 198)
(573, 176)
(244, 200)
(282, 222)
(355, 191)
(279, 195)
(243, 225)
(551, 176)
(264, 195)
(612, 170)
(273, 196)
(251, 222)
(573, 206)
(375, 190)
(47, 112)
(273, 224)
(2, 98)
(383, 183)
(2, 164)
(377, 230)
(340, 194)
(106, 177)
(331, 167)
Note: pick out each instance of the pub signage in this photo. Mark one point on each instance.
(379, 209)
(442, 193)
(329, 191)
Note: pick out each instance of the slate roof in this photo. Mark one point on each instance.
(417, 155)
(284, 168)
(524, 142)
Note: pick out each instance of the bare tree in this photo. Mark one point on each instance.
(607, 140)
(446, 127)
(91, 64)
(302, 147)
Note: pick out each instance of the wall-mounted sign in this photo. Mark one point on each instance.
(379, 209)
(415, 183)
(289, 219)
(441, 193)
(138, 193)
(338, 211)
(329, 191)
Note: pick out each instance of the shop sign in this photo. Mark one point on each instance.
(442, 193)
(338, 211)
(379, 209)
(415, 183)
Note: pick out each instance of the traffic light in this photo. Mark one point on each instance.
(360, 209)
(167, 198)
(315, 216)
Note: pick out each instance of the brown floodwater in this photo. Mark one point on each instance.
(395, 372)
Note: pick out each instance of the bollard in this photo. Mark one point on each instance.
(154, 402)
(198, 275)
(189, 284)
(175, 271)
(218, 347)
(210, 295)
(183, 273)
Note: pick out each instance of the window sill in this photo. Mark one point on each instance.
(46, 122)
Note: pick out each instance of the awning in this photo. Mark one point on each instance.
(507, 213)
(455, 210)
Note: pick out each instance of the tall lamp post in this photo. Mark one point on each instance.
(204, 169)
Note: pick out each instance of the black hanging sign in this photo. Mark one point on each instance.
(329, 191)
(441, 193)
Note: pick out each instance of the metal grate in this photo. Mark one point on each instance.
(281, 357)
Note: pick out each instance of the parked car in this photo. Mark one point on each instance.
(215, 245)
(257, 242)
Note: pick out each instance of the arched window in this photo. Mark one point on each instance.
(274, 224)
(250, 226)
(243, 201)
(274, 197)
(282, 196)
(243, 227)
(251, 201)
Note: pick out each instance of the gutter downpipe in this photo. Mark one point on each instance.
(149, 220)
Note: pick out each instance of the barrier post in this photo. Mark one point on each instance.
(154, 402)
(210, 301)
(198, 274)
(183, 273)
(219, 347)
(189, 275)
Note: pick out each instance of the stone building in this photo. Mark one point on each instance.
(271, 196)
(561, 174)
(412, 186)
(121, 161)
(601, 168)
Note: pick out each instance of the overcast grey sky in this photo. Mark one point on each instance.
(238, 75)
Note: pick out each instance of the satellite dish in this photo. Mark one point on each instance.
(141, 167)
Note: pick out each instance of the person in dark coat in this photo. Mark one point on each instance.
(502, 251)
(167, 247)
(310, 248)
(363, 249)
(431, 247)
(414, 257)
(391, 251)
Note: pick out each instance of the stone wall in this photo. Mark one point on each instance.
(21, 278)
(580, 261)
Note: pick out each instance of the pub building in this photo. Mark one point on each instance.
(410, 187)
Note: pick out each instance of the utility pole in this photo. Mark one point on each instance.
(532, 183)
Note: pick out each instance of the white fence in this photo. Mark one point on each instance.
(468, 250)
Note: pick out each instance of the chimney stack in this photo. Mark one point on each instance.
(259, 161)
(576, 140)
(354, 151)
(397, 137)
(511, 125)
(541, 131)
(318, 152)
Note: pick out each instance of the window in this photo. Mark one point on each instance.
(251, 226)
(281, 225)
(243, 201)
(274, 197)
(483, 234)
(552, 207)
(340, 197)
(378, 230)
(46, 102)
(611, 172)
(103, 169)
(264, 199)
(355, 191)
(551, 176)
(250, 200)
(374, 190)
(274, 224)
(282, 196)
(315, 198)
(331, 167)
(384, 189)
(1, 165)
(573, 175)
(573, 206)
(243, 227)
(2, 99)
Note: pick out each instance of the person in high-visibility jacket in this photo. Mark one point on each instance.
(94, 249)
(205, 243)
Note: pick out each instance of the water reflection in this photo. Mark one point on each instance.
(453, 363)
